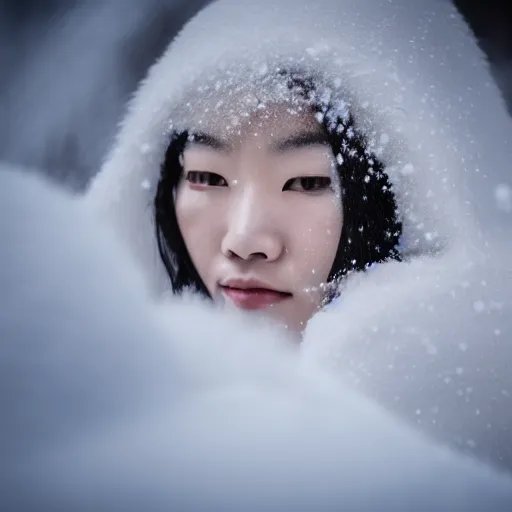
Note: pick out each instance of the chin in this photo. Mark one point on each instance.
(293, 317)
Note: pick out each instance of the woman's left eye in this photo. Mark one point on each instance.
(308, 184)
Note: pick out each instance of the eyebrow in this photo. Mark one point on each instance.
(300, 140)
(204, 139)
(296, 141)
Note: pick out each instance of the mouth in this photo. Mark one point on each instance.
(252, 294)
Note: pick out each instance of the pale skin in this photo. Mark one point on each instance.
(260, 212)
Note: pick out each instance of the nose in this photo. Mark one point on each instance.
(252, 232)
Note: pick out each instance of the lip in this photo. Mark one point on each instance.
(252, 294)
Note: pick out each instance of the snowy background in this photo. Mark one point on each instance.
(67, 68)
(66, 71)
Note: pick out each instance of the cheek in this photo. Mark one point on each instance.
(198, 219)
(318, 237)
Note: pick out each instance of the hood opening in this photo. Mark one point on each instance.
(371, 227)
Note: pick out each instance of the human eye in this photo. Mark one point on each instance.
(308, 184)
(205, 179)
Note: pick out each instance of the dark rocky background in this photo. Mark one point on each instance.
(67, 68)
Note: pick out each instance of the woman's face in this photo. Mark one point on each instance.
(260, 213)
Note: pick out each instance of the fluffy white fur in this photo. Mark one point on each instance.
(112, 402)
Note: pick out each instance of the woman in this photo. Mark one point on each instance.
(269, 211)
(278, 146)
(306, 197)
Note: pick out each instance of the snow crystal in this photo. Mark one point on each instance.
(320, 117)
(431, 349)
(407, 169)
(503, 196)
(479, 306)
(145, 149)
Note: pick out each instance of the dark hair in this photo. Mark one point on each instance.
(371, 229)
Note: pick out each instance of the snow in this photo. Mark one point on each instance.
(111, 401)
(504, 198)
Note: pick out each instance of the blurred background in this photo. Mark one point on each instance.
(68, 67)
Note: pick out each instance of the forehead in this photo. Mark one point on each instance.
(281, 118)
(267, 124)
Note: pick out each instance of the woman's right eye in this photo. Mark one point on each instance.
(206, 178)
